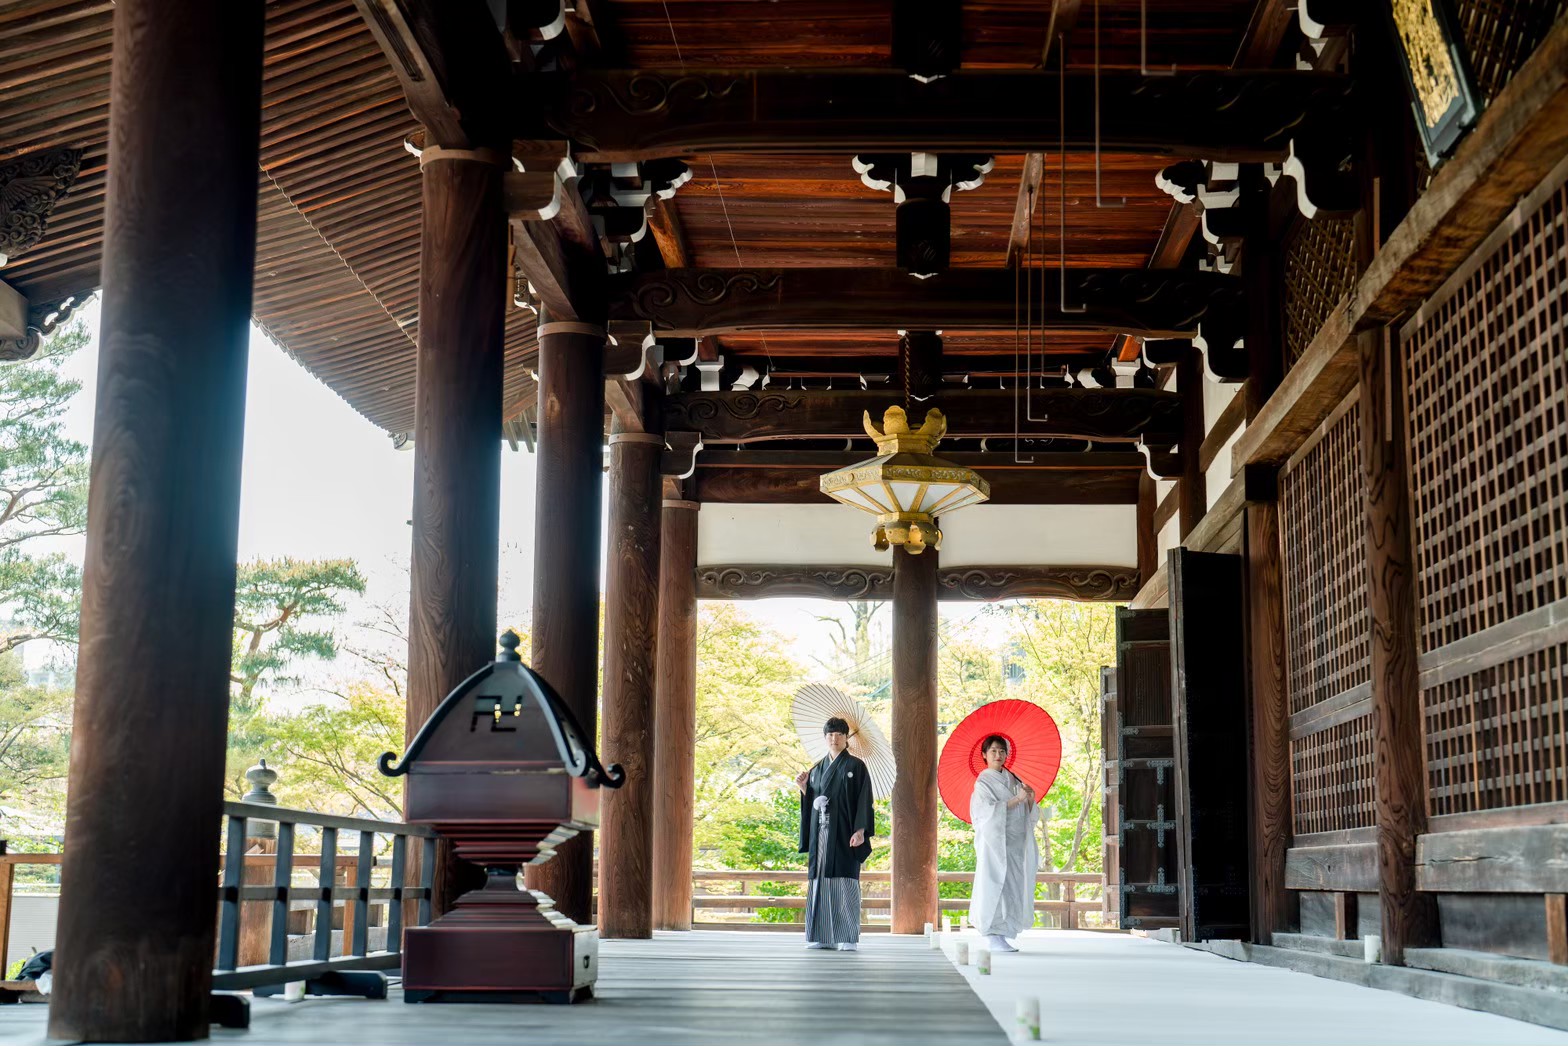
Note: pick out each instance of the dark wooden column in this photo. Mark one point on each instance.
(152, 679)
(457, 442)
(1148, 536)
(914, 740)
(1191, 495)
(675, 718)
(631, 610)
(566, 561)
(1409, 917)
(1268, 707)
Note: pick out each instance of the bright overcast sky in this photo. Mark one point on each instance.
(322, 482)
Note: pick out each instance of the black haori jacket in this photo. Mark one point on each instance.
(847, 784)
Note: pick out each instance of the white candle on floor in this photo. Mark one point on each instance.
(929, 929)
(1028, 1011)
(935, 940)
(961, 953)
(1372, 948)
(982, 960)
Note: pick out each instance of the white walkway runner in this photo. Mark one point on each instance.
(1119, 989)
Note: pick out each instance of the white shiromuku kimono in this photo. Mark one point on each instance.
(1006, 857)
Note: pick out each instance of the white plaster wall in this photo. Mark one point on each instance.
(1049, 535)
(1216, 397)
(806, 535)
(798, 535)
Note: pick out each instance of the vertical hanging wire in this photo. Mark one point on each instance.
(714, 170)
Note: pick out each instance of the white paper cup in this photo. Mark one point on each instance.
(1027, 1026)
(983, 960)
(1372, 948)
(293, 991)
(961, 953)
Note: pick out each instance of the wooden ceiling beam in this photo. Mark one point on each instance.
(638, 114)
(452, 62)
(1124, 415)
(700, 302)
(953, 365)
(801, 486)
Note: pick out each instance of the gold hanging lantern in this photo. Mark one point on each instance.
(906, 486)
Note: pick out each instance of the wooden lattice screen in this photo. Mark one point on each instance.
(1331, 777)
(1487, 373)
(1319, 268)
(1323, 536)
(1500, 35)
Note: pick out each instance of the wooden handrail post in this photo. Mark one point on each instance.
(7, 878)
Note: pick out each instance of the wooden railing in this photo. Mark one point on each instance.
(1069, 897)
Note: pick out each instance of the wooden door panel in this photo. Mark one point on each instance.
(1145, 779)
(1209, 654)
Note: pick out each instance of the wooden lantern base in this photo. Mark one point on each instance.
(500, 944)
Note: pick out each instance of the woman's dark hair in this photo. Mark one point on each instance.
(995, 739)
(835, 726)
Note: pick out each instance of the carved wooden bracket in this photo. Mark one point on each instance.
(42, 320)
(30, 187)
(680, 454)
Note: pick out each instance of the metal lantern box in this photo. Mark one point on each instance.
(505, 773)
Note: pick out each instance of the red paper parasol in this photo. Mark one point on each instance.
(1034, 751)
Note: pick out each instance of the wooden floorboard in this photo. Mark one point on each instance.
(700, 987)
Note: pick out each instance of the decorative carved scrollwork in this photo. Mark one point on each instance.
(983, 584)
(1089, 583)
(760, 581)
(30, 186)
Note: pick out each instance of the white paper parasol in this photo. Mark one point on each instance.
(816, 703)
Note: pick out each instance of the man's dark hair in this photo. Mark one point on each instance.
(835, 726)
(995, 739)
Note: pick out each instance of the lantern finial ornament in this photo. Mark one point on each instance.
(906, 486)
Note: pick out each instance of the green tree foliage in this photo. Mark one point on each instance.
(326, 753)
(35, 730)
(746, 746)
(43, 494)
(284, 610)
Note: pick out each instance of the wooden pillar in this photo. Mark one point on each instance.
(1191, 494)
(1148, 537)
(457, 443)
(675, 718)
(630, 647)
(570, 466)
(914, 740)
(152, 681)
(1268, 705)
(1409, 917)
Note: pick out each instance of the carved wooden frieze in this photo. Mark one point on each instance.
(632, 114)
(1088, 583)
(1149, 415)
(30, 186)
(755, 581)
(978, 584)
(1143, 302)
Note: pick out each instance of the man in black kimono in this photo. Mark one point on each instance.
(836, 822)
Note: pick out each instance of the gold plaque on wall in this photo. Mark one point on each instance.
(1441, 92)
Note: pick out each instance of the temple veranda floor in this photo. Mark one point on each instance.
(738, 987)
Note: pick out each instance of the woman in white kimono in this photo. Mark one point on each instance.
(1003, 812)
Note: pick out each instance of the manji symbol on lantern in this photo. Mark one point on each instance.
(906, 486)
